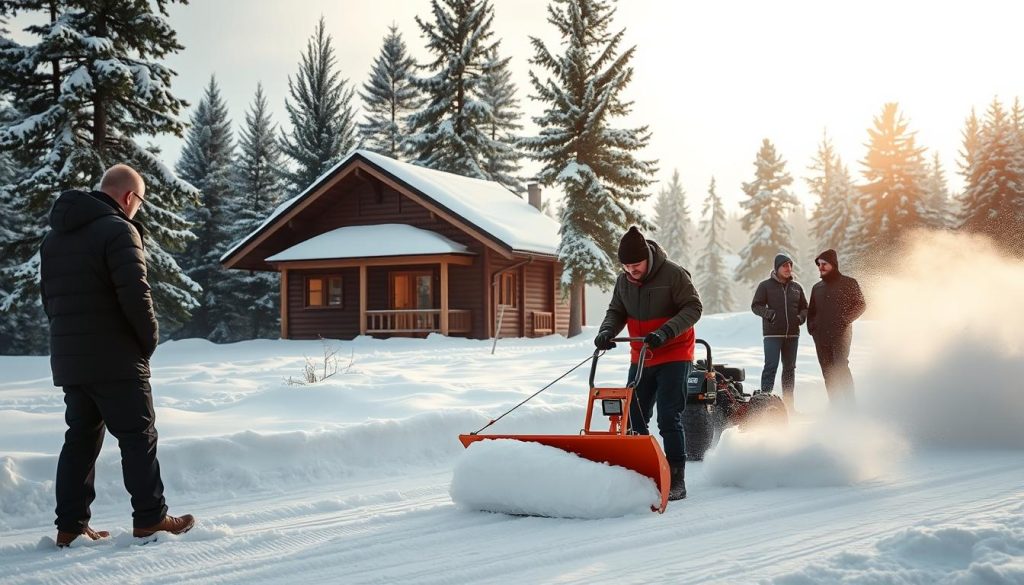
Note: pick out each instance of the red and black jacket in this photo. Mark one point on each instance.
(665, 298)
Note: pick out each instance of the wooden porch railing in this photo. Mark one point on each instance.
(543, 323)
(417, 321)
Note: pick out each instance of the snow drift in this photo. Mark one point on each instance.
(520, 477)
(948, 352)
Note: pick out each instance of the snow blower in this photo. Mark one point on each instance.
(615, 446)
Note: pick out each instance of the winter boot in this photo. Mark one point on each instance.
(168, 524)
(677, 489)
(64, 539)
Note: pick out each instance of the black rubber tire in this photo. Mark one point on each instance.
(699, 429)
(765, 409)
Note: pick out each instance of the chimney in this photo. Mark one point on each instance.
(533, 189)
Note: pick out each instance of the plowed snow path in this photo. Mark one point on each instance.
(406, 530)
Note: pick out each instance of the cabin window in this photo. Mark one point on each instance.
(507, 289)
(324, 292)
(412, 290)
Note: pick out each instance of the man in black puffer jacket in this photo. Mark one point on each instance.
(103, 331)
(836, 302)
(782, 306)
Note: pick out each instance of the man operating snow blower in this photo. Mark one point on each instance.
(654, 298)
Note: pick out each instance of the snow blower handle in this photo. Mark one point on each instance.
(639, 365)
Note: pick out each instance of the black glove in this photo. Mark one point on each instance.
(769, 315)
(603, 341)
(656, 338)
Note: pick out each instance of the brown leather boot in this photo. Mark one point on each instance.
(179, 525)
(64, 539)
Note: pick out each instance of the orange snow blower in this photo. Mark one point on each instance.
(616, 446)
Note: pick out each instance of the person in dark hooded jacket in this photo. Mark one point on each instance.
(782, 306)
(836, 302)
(654, 298)
(103, 332)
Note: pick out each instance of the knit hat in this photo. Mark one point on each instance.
(781, 259)
(829, 256)
(633, 247)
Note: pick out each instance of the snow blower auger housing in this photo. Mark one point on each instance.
(615, 446)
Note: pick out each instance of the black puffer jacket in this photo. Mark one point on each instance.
(836, 302)
(787, 302)
(95, 292)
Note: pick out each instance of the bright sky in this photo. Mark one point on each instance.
(711, 78)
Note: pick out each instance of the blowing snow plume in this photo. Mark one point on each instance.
(949, 344)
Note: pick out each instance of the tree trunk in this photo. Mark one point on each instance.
(576, 306)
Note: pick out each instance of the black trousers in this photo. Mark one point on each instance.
(666, 385)
(124, 407)
(834, 358)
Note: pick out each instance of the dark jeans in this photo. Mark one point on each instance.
(666, 383)
(774, 347)
(126, 408)
(834, 358)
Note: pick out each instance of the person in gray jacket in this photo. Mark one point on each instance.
(780, 302)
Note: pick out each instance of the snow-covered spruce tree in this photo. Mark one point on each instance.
(672, 215)
(893, 195)
(938, 204)
(320, 111)
(712, 275)
(450, 132)
(837, 207)
(86, 91)
(994, 179)
(206, 162)
(501, 155)
(594, 164)
(768, 201)
(389, 97)
(259, 187)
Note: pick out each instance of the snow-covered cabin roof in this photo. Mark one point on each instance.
(486, 206)
(369, 241)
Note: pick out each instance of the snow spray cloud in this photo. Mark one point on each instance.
(837, 449)
(948, 344)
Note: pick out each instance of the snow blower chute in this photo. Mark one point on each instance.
(615, 446)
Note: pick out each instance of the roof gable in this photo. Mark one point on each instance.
(484, 209)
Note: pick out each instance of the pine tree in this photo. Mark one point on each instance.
(389, 97)
(994, 179)
(320, 111)
(594, 164)
(672, 215)
(501, 154)
(712, 274)
(259, 186)
(92, 85)
(451, 131)
(937, 202)
(837, 207)
(893, 196)
(206, 162)
(768, 201)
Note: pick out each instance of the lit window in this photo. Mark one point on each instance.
(324, 291)
(507, 289)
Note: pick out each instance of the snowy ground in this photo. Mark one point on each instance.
(349, 481)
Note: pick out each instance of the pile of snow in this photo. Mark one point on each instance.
(832, 451)
(949, 350)
(519, 477)
(987, 549)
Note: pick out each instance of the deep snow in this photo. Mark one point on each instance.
(351, 480)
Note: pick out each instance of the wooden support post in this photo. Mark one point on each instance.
(521, 293)
(284, 303)
(444, 297)
(362, 299)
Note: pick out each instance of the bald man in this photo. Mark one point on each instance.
(103, 331)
